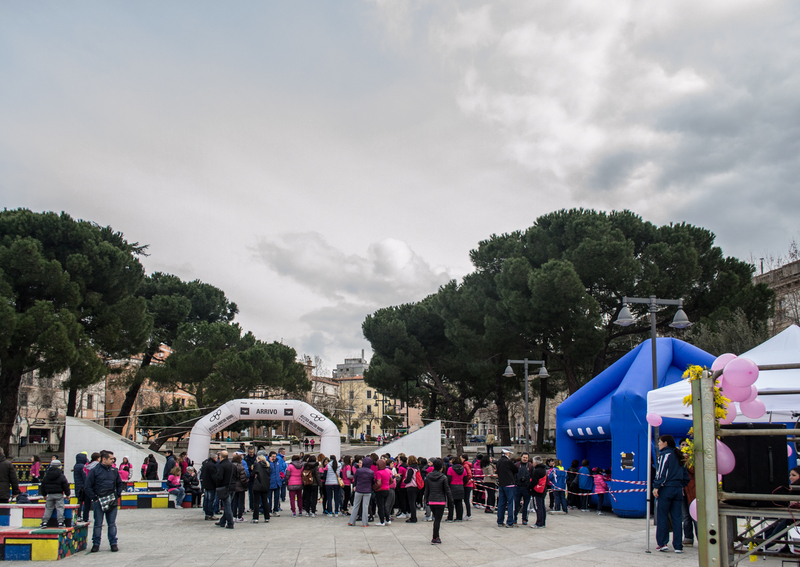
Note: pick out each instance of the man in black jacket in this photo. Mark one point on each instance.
(506, 486)
(539, 480)
(55, 487)
(101, 482)
(169, 466)
(522, 494)
(8, 477)
(250, 459)
(208, 480)
(225, 477)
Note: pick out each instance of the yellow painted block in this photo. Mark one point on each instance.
(41, 549)
(73, 500)
(129, 497)
(160, 503)
(31, 522)
(140, 485)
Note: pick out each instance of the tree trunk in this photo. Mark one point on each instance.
(72, 401)
(433, 406)
(9, 394)
(503, 433)
(130, 397)
(174, 431)
(461, 430)
(572, 379)
(542, 413)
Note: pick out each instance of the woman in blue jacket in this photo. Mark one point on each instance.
(585, 484)
(671, 478)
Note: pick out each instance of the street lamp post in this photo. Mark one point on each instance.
(509, 373)
(680, 321)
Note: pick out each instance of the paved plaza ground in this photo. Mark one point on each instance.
(164, 537)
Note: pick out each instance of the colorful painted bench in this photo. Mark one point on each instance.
(30, 515)
(21, 544)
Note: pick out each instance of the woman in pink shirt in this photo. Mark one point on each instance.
(295, 484)
(456, 474)
(347, 480)
(383, 478)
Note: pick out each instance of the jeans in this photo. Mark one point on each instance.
(584, 498)
(310, 494)
(86, 507)
(438, 511)
(468, 500)
(380, 504)
(227, 514)
(250, 483)
(334, 498)
(689, 525)
(490, 450)
(260, 499)
(561, 501)
(237, 504)
(669, 507)
(506, 501)
(283, 491)
(360, 507)
(522, 498)
(346, 498)
(411, 493)
(54, 501)
(179, 494)
(111, 519)
(541, 511)
(273, 501)
(208, 502)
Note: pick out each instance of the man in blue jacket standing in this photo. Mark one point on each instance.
(101, 482)
(671, 478)
(283, 465)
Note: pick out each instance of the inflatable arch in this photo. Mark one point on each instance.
(272, 410)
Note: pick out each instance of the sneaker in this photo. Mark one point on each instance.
(678, 551)
(313, 514)
(95, 548)
(276, 514)
(662, 548)
(600, 514)
(43, 525)
(388, 522)
(524, 522)
(60, 524)
(349, 524)
(428, 519)
(468, 518)
(509, 525)
(114, 547)
(336, 515)
(266, 521)
(229, 527)
(410, 521)
(688, 542)
(535, 527)
(379, 524)
(253, 521)
(448, 520)
(436, 541)
(294, 515)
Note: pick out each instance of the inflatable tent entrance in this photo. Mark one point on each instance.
(265, 410)
(604, 421)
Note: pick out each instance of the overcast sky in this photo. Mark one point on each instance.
(319, 160)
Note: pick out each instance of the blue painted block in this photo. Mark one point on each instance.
(18, 552)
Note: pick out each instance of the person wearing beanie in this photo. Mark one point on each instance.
(55, 487)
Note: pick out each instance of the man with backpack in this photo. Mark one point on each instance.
(522, 490)
(539, 490)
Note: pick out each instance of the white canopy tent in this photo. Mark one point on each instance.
(778, 389)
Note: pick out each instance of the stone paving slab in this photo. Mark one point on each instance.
(181, 537)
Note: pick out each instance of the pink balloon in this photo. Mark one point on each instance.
(789, 450)
(721, 361)
(728, 419)
(733, 393)
(693, 509)
(754, 409)
(753, 393)
(741, 372)
(726, 462)
(653, 419)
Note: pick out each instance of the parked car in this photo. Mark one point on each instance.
(477, 439)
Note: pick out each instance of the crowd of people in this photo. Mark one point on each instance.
(379, 489)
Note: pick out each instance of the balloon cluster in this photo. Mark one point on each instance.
(738, 385)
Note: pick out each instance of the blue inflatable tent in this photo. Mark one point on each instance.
(604, 421)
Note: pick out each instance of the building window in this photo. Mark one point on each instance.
(352, 395)
(369, 394)
(369, 428)
(89, 401)
(369, 409)
(23, 399)
(47, 401)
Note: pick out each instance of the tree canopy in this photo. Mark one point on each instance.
(68, 293)
(552, 292)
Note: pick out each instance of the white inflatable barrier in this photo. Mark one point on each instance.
(262, 410)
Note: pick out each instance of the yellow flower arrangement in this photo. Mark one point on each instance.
(694, 372)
